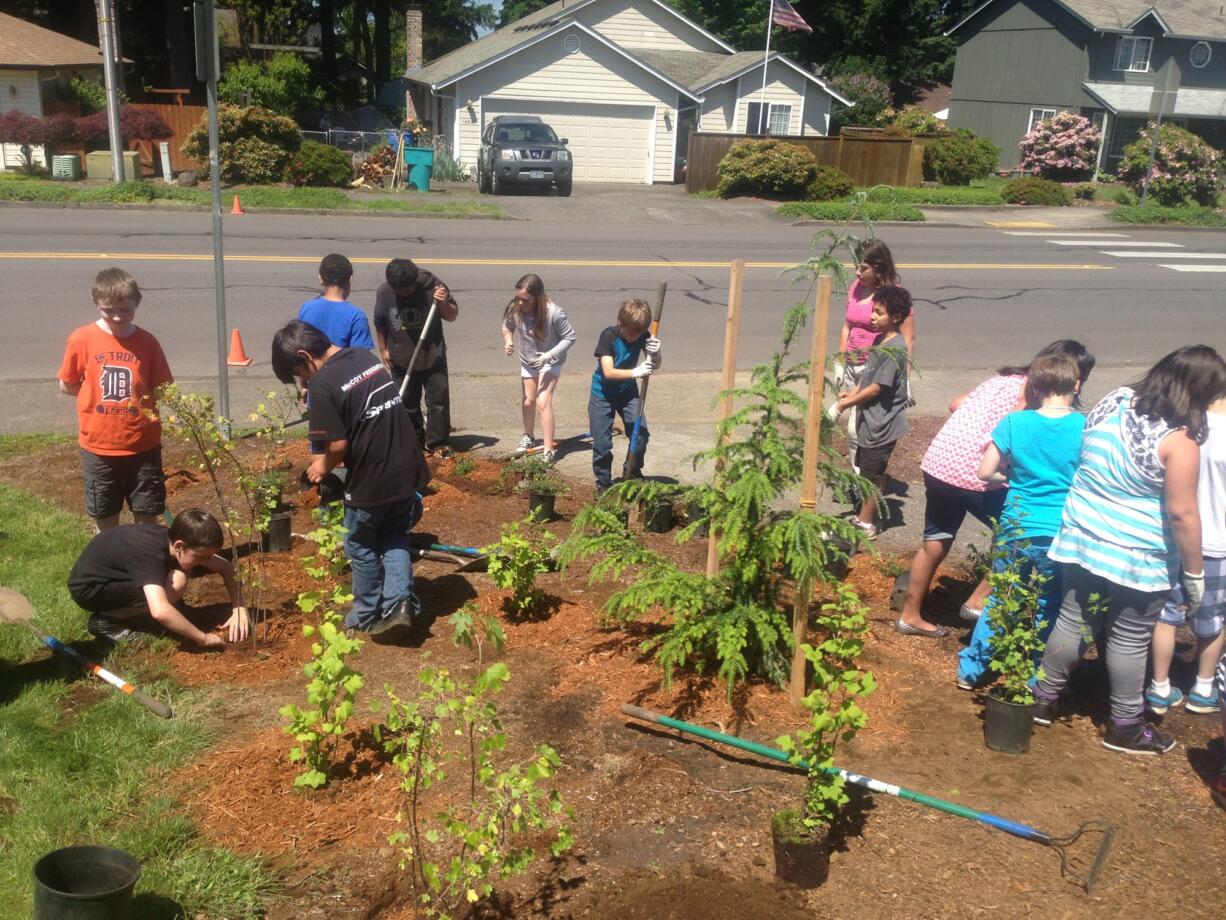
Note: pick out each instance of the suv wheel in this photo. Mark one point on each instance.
(483, 180)
(564, 188)
(497, 186)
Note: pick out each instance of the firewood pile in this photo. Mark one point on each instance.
(377, 168)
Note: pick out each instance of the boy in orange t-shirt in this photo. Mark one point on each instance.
(113, 368)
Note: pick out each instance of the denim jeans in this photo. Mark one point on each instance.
(377, 543)
(600, 412)
(973, 660)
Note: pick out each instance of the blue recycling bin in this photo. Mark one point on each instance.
(420, 163)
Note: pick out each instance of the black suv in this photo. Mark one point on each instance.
(522, 150)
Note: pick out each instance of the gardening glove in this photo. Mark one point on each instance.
(643, 370)
(839, 374)
(910, 402)
(834, 412)
(652, 345)
(1193, 590)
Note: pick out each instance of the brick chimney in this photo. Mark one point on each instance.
(413, 56)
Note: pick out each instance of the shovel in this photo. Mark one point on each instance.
(14, 608)
(477, 564)
(628, 465)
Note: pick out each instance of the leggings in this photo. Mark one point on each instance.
(1122, 626)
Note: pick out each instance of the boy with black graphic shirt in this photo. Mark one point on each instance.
(356, 413)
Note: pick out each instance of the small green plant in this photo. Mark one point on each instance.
(834, 711)
(485, 833)
(1033, 190)
(328, 562)
(1123, 196)
(1012, 613)
(1085, 191)
(332, 686)
(535, 475)
(474, 630)
(447, 168)
(829, 183)
(517, 559)
(464, 467)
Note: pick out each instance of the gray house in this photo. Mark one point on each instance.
(1021, 61)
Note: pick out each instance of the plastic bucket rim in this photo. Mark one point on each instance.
(131, 864)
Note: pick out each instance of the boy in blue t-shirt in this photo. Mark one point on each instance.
(1036, 451)
(615, 386)
(332, 313)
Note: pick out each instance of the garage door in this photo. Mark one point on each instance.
(609, 143)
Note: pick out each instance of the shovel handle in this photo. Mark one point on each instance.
(157, 707)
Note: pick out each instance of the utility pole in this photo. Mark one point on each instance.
(110, 74)
(207, 66)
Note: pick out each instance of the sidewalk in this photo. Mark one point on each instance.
(1021, 217)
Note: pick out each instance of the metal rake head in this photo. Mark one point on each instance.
(1062, 844)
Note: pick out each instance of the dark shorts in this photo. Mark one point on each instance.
(872, 461)
(136, 478)
(106, 597)
(946, 507)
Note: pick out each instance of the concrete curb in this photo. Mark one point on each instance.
(172, 206)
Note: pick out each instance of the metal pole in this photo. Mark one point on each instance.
(110, 75)
(763, 120)
(219, 270)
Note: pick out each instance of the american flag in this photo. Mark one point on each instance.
(782, 14)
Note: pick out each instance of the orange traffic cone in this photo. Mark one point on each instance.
(238, 357)
(237, 208)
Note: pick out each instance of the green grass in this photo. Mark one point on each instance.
(81, 763)
(14, 445)
(952, 195)
(23, 188)
(1153, 214)
(843, 210)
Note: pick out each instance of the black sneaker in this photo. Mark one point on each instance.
(400, 624)
(104, 627)
(1044, 711)
(1137, 739)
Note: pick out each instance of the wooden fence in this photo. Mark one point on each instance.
(868, 160)
(182, 120)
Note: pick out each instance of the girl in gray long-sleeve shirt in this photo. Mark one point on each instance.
(539, 329)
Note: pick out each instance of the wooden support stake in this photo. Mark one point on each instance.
(732, 334)
(808, 485)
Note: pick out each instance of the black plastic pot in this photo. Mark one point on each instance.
(84, 883)
(696, 512)
(541, 505)
(802, 857)
(276, 539)
(1007, 726)
(658, 516)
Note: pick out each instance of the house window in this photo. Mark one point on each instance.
(1038, 115)
(1132, 54)
(1200, 54)
(1125, 131)
(778, 119)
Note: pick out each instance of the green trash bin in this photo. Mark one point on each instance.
(420, 161)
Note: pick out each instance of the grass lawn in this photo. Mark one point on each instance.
(845, 210)
(1189, 216)
(16, 187)
(81, 763)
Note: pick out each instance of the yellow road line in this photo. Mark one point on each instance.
(569, 263)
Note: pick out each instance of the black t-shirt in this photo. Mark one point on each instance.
(353, 398)
(137, 554)
(400, 320)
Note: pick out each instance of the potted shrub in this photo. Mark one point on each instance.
(801, 836)
(1016, 645)
(274, 514)
(541, 483)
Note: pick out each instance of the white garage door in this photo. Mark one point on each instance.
(609, 143)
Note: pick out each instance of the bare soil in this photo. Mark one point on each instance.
(667, 826)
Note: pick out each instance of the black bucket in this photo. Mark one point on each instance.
(801, 859)
(84, 883)
(541, 506)
(1007, 726)
(331, 490)
(277, 538)
(696, 512)
(658, 516)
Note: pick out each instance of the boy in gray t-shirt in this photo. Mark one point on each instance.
(881, 398)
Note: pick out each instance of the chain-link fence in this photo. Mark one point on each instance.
(353, 141)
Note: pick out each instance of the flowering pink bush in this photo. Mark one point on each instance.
(1184, 167)
(1063, 148)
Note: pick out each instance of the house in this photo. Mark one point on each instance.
(1021, 61)
(34, 62)
(623, 80)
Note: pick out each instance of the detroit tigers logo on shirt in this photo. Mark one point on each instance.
(115, 383)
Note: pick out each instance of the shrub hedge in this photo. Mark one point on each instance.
(319, 165)
(829, 183)
(1033, 190)
(770, 168)
(958, 158)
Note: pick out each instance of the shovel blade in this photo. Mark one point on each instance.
(14, 607)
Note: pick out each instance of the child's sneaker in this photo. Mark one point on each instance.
(1159, 704)
(104, 627)
(964, 684)
(1138, 738)
(550, 456)
(527, 442)
(1045, 711)
(870, 531)
(969, 614)
(1204, 705)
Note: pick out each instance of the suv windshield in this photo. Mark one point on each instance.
(525, 134)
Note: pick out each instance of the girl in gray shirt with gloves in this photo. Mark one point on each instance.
(539, 329)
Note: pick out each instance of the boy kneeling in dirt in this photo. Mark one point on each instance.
(134, 571)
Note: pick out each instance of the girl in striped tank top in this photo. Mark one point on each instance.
(1129, 533)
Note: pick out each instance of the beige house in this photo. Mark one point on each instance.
(623, 80)
(31, 59)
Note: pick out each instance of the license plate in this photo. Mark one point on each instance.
(536, 174)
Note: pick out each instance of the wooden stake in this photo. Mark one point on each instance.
(808, 485)
(732, 334)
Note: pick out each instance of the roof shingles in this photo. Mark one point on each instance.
(24, 44)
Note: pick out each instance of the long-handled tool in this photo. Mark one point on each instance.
(573, 439)
(628, 465)
(462, 563)
(1059, 844)
(421, 338)
(14, 608)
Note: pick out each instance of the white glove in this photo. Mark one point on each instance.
(643, 370)
(652, 345)
(839, 374)
(833, 412)
(910, 398)
(1193, 590)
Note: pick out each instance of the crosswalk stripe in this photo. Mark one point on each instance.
(1094, 236)
(1196, 268)
(1133, 254)
(1109, 243)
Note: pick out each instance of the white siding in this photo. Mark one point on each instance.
(784, 85)
(718, 109)
(27, 99)
(642, 24)
(816, 111)
(546, 71)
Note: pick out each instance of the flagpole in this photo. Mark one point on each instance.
(762, 119)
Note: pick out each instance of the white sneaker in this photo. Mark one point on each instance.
(527, 442)
(550, 456)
